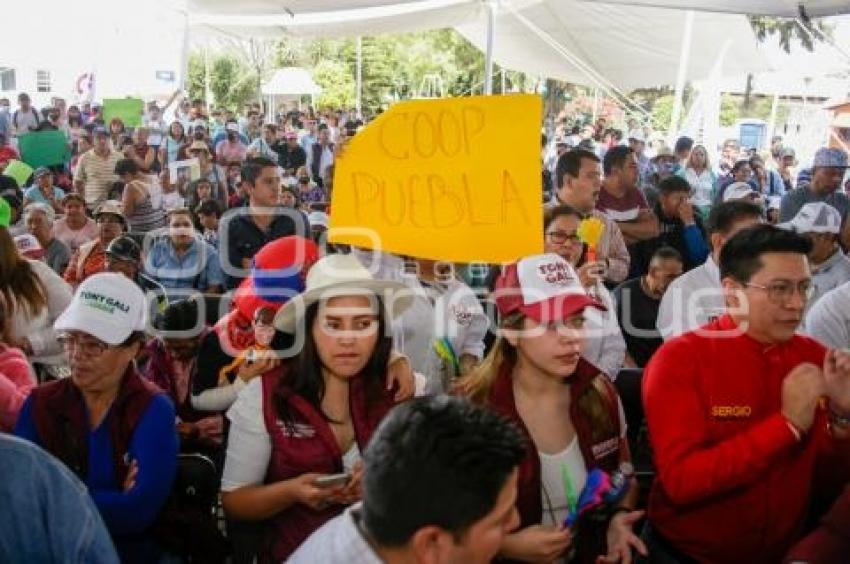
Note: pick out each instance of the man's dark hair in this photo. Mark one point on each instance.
(739, 164)
(666, 253)
(570, 163)
(615, 158)
(673, 184)
(740, 257)
(253, 168)
(683, 143)
(181, 315)
(208, 207)
(438, 461)
(724, 216)
(126, 166)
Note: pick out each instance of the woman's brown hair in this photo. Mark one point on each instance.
(594, 402)
(19, 283)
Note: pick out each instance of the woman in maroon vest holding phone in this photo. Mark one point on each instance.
(293, 456)
(570, 411)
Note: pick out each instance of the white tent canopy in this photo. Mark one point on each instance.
(291, 81)
(781, 8)
(629, 46)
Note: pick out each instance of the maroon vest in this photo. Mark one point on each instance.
(600, 450)
(59, 414)
(307, 444)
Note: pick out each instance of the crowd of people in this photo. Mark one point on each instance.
(677, 391)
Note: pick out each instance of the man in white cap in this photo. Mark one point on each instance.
(821, 224)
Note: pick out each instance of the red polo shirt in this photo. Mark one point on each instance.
(733, 484)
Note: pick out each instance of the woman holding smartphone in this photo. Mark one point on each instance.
(536, 375)
(296, 428)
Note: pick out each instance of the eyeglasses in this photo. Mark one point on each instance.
(561, 237)
(782, 291)
(89, 347)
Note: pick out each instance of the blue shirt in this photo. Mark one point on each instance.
(198, 268)
(48, 515)
(34, 194)
(154, 447)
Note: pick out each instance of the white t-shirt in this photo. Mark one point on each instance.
(553, 467)
(691, 301)
(605, 347)
(828, 320)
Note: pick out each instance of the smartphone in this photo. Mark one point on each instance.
(333, 480)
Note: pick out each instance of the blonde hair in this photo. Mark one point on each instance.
(477, 383)
(594, 402)
(690, 163)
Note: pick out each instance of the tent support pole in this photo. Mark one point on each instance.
(684, 56)
(771, 127)
(359, 76)
(491, 36)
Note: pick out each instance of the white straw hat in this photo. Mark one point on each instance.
(342, 275)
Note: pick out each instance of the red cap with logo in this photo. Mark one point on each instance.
(545, 288)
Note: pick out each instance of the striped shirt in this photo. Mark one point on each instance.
(98, 174)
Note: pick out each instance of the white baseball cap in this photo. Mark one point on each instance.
(739, 191)
(815, 217)
(637, 135)
(108, 306)
(545, 288)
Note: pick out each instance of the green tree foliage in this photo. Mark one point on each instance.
(789, 31)
(232, 83)
(338, 88)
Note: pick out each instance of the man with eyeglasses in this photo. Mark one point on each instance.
(749, 421)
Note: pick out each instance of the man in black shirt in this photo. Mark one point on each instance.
(290, 154)
(244, 231)
(637, 302)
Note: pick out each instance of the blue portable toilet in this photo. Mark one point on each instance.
(752, 132)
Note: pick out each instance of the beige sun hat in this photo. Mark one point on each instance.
(342, 275)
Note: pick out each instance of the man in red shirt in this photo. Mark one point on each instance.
(748, 421)
(621, 199)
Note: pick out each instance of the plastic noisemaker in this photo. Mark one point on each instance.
(590, 232)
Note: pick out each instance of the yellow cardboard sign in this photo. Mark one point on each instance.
(454, 179)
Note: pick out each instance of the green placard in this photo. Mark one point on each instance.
(128, 110)
(44, 148)
(19, 171)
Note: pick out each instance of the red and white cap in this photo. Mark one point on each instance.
(545, 288)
